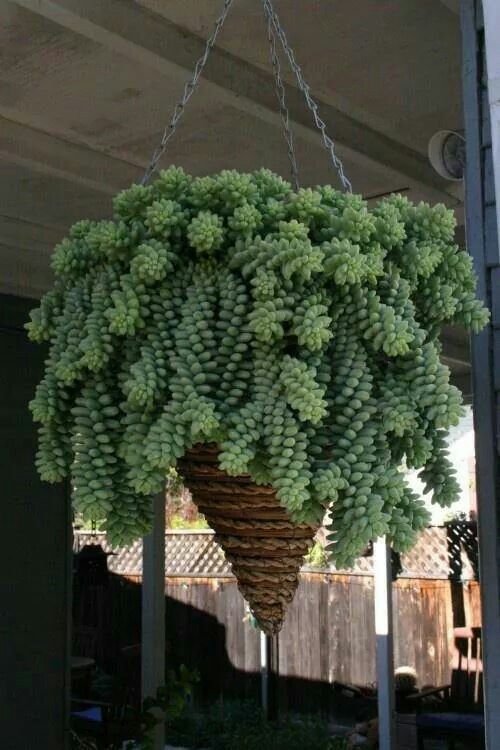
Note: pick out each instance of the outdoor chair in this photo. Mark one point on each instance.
(454, 713)
(113, 721)
(354, 702)
(83, 648)
(84, 641)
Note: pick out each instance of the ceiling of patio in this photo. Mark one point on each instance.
(86, 88)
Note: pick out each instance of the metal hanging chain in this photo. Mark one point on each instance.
(274, 28)
(188, 91)
(281, 96)
(304, 87)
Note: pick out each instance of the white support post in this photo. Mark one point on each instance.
(264, 673)
(489, 545)
(491, 10)
(153, 611)
(383, 631)
(482, 241)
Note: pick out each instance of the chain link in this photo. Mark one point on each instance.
(274, 29)
(188, 91)
(281, 96)
(304, 87)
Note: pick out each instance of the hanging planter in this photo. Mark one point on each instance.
(278, 345)
(264, 546)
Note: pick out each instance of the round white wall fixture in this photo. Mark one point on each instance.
(446, 151)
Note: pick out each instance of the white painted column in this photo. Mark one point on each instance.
(382, 572)
(153, 611)
(491, 10)
(488, 519)
(264, 673)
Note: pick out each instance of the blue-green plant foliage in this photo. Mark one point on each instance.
(298, 330)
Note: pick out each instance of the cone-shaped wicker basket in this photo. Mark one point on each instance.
(265, 548)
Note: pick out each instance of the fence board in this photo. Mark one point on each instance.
(328, 632)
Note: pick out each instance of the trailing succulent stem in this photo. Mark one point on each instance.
(298, 330)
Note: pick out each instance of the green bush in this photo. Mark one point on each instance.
(242, 726)
(317, 556)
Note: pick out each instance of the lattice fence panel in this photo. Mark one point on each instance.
(440, 552)
(186, 554)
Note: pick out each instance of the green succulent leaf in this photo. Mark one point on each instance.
(297, 330)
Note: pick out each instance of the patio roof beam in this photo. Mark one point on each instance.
(52, 155)
(20, 232)
(456, 347)
(453, 5)
(153, 41)
(452, 362)
(24, 272)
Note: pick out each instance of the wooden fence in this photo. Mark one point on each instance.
(328, 633)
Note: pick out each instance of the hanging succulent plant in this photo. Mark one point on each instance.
(296, 330)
